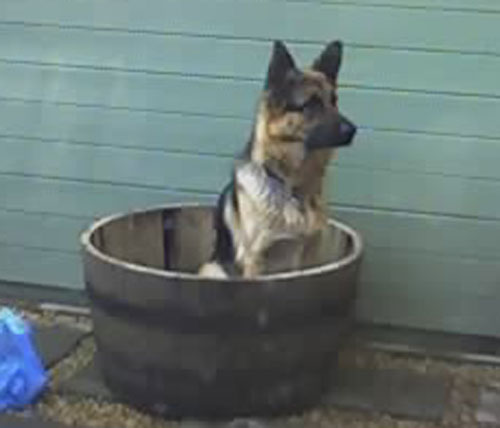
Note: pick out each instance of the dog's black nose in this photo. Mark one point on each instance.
(347, 131)
(334, 131)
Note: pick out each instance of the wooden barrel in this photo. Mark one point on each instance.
(183, 345)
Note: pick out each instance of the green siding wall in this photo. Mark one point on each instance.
(110, 105)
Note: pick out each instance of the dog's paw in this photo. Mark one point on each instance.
(212, 270)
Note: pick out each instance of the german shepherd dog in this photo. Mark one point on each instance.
(276, 194)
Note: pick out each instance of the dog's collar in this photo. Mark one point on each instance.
(273, 174)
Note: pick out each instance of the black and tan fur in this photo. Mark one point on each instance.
(276, 194)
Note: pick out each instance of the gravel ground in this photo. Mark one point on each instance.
(466, 379)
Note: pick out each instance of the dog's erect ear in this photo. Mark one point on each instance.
(281, 63)
(330, 60)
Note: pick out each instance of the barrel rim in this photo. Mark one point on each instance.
(85, 241)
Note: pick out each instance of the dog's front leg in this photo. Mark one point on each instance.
(252, 263)
(250, 256)
(251, 268)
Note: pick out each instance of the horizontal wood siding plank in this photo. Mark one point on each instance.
(310, 21)
(439, 235)
(375, 67)
(462, 314)
(450, 275)
(37, 266)
(121, 166)
(82, 199)
(42, 231)
(367, 107)
(428, 154)
(149, 130)
(415, 192)
(475, 6)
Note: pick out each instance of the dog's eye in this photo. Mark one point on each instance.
(294, 108)
(312, 104)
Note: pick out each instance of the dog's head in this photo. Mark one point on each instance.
(301, 105)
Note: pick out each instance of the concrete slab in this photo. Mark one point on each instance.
(9, 421)
(488, 410)
(56, 342)
(399, 393)
(88, 383)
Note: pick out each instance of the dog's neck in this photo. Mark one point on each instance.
(288, 160)
(282, 161)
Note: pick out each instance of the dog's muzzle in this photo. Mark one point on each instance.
(335, 131)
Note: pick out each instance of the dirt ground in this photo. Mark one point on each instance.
(465, 383)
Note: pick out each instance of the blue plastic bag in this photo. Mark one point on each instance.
(22, 375)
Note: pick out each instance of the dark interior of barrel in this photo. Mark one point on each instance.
(181, 240)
